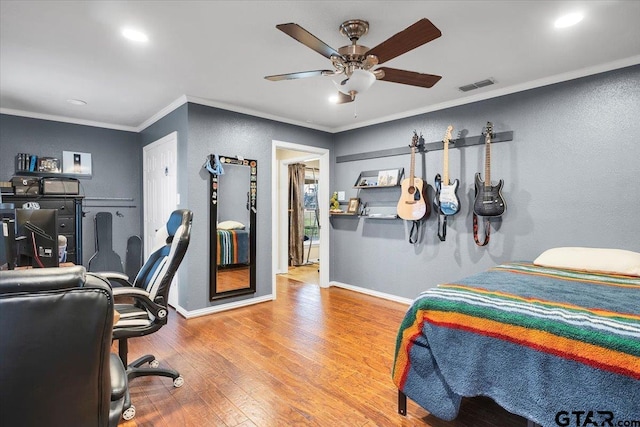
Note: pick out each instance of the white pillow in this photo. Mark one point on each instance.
(613, 261)
(230, 225)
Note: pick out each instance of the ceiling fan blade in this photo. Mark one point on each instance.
(410, 38)
(343, 98)
(408, 77)
(300, 75)
(308, 39)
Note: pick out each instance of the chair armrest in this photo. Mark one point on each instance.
(119, 384)
(112, 275)
(141, 296)
(115, 277)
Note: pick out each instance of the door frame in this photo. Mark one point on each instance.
(171, 137)
(278, 234)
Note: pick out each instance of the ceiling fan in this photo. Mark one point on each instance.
(356, 61)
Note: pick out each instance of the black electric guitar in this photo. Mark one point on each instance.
(446, 192)
(489, 200)
(412, 205)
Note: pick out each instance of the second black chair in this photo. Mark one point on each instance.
(147, 308)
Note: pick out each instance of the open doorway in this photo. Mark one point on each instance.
(303, 218)
(315, 250)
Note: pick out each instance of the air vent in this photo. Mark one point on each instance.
(476, 85)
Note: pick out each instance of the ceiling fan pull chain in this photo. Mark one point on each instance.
(355, 109)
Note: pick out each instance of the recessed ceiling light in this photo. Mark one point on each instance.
(76, 101)
(135, 35)
(568, 20)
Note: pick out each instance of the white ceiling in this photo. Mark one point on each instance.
(217, 53)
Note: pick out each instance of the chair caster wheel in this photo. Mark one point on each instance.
(129, 413)
(178, 382)
(154, 363)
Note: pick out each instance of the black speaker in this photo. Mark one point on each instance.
(66, 186)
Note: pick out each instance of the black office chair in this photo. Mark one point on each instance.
(149, 294)
(56, 366)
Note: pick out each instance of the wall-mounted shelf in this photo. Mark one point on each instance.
(343, 214)
(425, 147)
(52, 174)
(381, 216)
(379, 178)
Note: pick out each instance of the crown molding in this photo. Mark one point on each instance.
(558, 78)
(64, 119)
(163, 112)
(250, 112)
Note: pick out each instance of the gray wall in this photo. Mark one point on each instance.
(211, 130)
(176, 121)
(572, 178)
(116, 168)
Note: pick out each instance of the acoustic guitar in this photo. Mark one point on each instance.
(412, 205)
(489, 200)
(446, 192)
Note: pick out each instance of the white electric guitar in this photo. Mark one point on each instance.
(446, 192)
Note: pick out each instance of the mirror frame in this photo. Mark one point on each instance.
(213, 217)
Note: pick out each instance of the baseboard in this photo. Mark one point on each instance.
(373, 293)
(189, 314)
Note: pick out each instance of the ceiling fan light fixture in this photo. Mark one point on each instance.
(568, 20)
(135, 35)
(359, 82)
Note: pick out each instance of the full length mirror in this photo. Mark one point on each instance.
(232, 219)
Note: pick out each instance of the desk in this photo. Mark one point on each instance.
(62, 264)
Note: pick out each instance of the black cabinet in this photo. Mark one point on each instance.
(69, 218)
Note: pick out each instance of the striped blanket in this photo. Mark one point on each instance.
(537, 340)
(233, 247)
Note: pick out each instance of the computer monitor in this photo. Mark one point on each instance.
(37, 237)
(7, 244)
(7, 236)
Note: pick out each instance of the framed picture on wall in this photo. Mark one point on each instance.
(354, 202)
(76, 163)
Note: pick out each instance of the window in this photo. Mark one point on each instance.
(311, 229)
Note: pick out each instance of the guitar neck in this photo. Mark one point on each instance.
(445, 168)
(487, 161)
(413, 161)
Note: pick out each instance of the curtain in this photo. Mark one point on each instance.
(296, 214)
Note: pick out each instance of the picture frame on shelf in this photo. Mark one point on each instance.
(354, 203)
(388, 178)
(76, 163)
(48, 164)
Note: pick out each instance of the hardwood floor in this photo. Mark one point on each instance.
(313, 357)
(307, 273)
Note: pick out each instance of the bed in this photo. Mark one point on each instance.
(543, 342)
(233, 247)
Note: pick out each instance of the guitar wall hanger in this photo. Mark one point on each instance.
(423, 147)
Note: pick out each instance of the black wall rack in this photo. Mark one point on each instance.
(426, 147)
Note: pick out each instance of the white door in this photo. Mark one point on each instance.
(160, 193)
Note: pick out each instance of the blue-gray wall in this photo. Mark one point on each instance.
(116, 159)
(572, 178)
(206, 130)
(213, 130)
(176, 121)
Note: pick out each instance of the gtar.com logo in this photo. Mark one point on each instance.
(592, 418)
